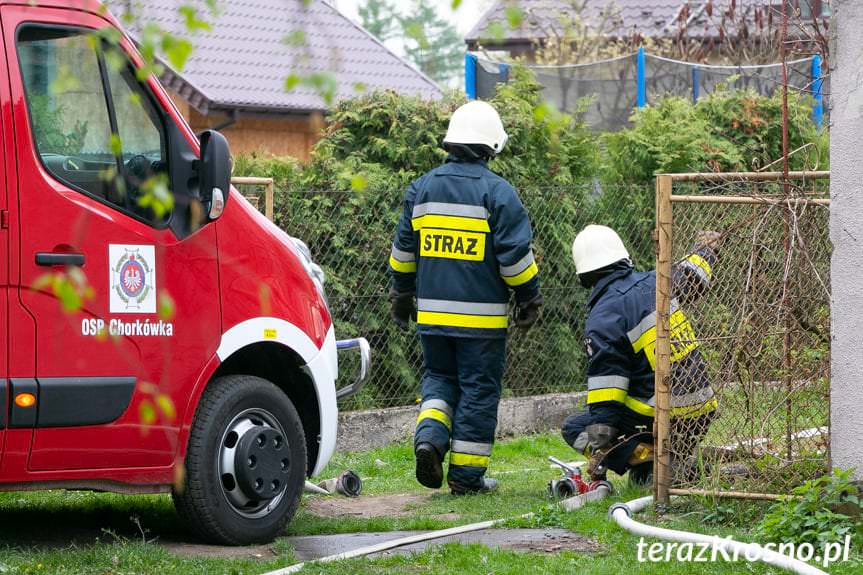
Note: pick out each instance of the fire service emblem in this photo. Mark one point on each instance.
(133, 279)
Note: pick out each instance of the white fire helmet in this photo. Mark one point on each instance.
(596, 247)
(476, 122)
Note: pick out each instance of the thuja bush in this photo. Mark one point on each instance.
(725, 131)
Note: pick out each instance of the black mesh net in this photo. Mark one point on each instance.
(612, 85)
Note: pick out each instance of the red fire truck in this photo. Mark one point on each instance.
(182, 345)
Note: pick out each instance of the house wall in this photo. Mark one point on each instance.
(272, 135)
(846, 232)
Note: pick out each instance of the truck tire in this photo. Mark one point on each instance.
(245, 464)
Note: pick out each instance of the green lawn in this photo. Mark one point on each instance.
(65, 533)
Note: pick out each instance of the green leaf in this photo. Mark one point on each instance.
(514, 16)
(146, 412)
(166, 406)
(116, 145)
(359, 183)
(455, 4)
(70, 299)
(291, 82)
(295, 38)
(156, 195)
(177, 50)
(496, 31)
(193, 22)
(167, 307)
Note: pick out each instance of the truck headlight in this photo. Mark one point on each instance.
(316, 273)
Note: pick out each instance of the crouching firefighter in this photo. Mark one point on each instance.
(616, 430)
(462, 243)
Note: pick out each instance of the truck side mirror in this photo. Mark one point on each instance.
(214, 172)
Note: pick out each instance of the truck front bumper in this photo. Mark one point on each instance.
(362, 346)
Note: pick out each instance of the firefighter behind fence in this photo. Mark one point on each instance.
(615, 431)
(462, 243)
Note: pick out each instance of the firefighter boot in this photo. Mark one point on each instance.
(600, 441)
(487, 485)
(429, 469)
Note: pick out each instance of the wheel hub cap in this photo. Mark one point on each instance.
(261, 463)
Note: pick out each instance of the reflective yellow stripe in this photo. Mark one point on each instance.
(682, 336)
(450, 223)
(701, 262)
(608, 394)
(645, 340)
(645, 409)
(403, 267)
(468, 459)
(639, 406)
(435, 414)
(691, 411)
(682, 340)
(523, 277)
(462, 320)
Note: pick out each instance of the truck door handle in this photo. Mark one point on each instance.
(59, 259)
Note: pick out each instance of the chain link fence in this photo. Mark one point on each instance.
(350, 234)
(762, 328)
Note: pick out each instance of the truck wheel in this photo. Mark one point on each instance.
(245, 463)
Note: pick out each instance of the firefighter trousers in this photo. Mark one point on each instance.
(460, 393)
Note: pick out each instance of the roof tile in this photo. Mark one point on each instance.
(654, 18)
(244, 61)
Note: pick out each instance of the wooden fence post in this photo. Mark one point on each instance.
(662, 382)
(268, 200)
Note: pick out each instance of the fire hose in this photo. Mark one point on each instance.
(622, 514)
(567, 504)
(578, 494)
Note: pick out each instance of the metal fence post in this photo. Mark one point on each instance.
(642, 87)
(662, 381)
(817, 93)
(504, 73)
(696, 79)
(470, 64)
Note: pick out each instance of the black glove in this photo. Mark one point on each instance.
(525, 314)
(402, 308)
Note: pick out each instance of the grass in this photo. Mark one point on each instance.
(65, 532)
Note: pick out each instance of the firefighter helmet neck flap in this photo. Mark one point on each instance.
(596, 247)
(476, 123)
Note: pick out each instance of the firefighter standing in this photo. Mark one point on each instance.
(615, 431)
(463, 241)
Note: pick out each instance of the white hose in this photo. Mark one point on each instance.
(312, 488)
(567, 504)
(622, 514)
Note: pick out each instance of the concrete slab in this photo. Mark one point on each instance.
(310, 547)
(523, 540)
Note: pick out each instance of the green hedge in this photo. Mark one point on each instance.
(346, 200)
